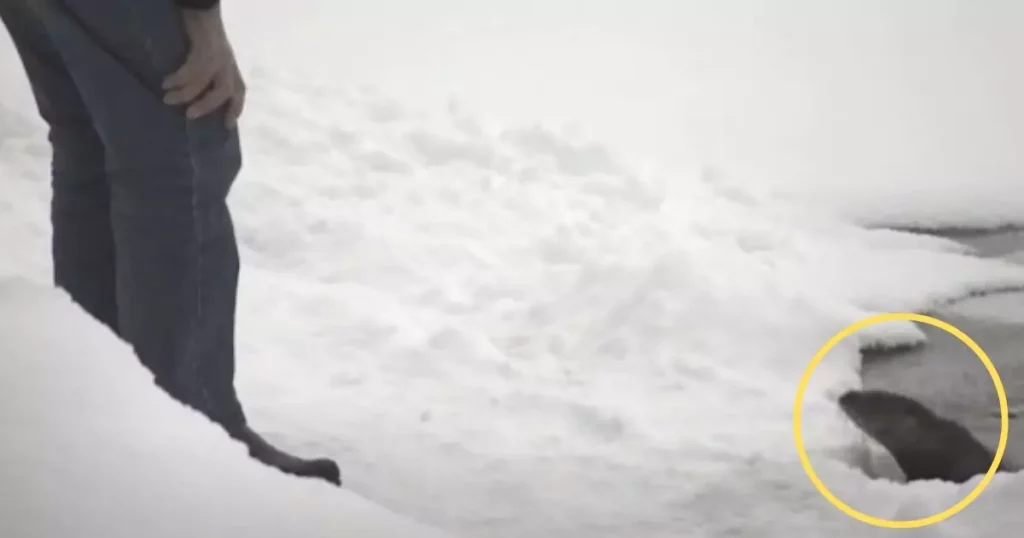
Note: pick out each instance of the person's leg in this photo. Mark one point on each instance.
(177, 258)
(82, 241)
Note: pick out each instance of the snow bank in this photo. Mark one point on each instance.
(92, 448)
(515, 331)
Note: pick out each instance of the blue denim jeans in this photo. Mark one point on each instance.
(142, 236)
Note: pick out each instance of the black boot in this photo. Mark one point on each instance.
(260, 449)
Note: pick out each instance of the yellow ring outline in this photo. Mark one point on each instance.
(1004, 416)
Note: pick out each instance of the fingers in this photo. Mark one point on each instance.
(235, 109)
(230, 90)
(209, 78)
(221, 91)
(190, 80)
(237, 101)
(186, 86)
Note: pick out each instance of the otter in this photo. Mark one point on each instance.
(925, 445)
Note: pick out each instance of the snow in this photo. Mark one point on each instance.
(902, 113)
(858, 106)
(90, 448)
(506, 327)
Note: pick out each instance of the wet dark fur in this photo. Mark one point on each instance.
(925, 445)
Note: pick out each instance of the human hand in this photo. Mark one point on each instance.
(210, 67)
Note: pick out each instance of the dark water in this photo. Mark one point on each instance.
(945, 375)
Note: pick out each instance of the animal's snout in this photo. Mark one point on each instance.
(850, 398)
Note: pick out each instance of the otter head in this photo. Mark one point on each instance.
(883, 415)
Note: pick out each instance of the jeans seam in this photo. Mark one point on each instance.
(197, 227)
(197, 231)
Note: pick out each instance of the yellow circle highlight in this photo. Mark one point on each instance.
(1004, 416)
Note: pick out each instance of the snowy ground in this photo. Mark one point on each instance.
(90, 449)
(509, 332)
(503, 328)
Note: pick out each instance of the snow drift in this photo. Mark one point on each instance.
(91, 448)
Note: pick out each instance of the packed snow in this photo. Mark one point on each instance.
(511, 328)
(91, 449)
